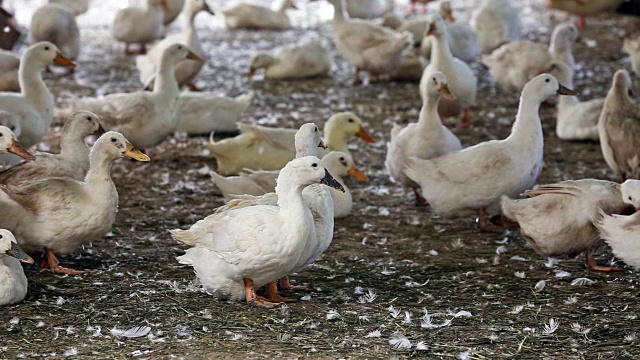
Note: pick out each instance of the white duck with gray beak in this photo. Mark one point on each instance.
(13, 282)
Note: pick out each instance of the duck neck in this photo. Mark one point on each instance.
(440, 53)
(307, 150)
(339, 12)
(429, 112)
(72, 145)
(292, 207)
(336, 140)
(190, 26)
(565, 102)
(527, 128)
(165, 82)
(99, 168)
(620, 94)
(33, 87)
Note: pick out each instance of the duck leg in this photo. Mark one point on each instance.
(420, 200)
(272, 294)
(487, 226)
(284, 284)
(591, 263)
(582, 23)
(356, 76)
(193, 87)
(51, 262)
(127, 49)
(253, 299)
(466, 120)
(143, 49)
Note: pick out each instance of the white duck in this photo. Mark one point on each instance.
(515, 63)
(558, 220)
(140, 25)
(253, 16)
(13, 282)
(366, 9)
(367, 46)
(426, 139)
(237, 250)
(619, 128)
(632, 48)
(72, 162)
(77, 7)
(303, 60)
(11, 121)
(9, 143)
(57, 215)
(9, 65)
(621, 232)
(206, 112)
(172, 10)
(186, 70)
(584, 8)
(475, 178)
(145, 118)
(462, 82)
(57, 24)
(496, 22)
(265, 148)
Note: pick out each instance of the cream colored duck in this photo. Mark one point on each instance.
(9, 144)
(186, 70)
(13, 282)
(265, 148)
(9, 65)
(240, 249)
(140, 25)
(340, 165)
(621, 232)
(145, 118)
(77, 7)
(303, 60)
(426, 139)
(57, 215)
(463, 41)
(57, 24)
(72, 162)
(496, 22)
(619, 128)
(366, 9)
(515, 63)
(474, 179)
(576, 120)
(558, 220)
(206, 112)
(462, 82)
(584, 8)
(632, 48)
(250, 16)
(367, 46)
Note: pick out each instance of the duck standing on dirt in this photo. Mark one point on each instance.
(140, 25)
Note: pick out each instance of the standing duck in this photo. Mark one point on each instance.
(584, 8)
(140, 25)
(426, 139)
(57, 215)
(57, 24)
(496, 22)
(475, 178)
(462, 82)
(619, 128)
(13, 283)
(250, 16)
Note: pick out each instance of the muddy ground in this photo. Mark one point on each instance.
(477, 288)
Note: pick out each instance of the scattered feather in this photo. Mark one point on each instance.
(332, 314)
(71, 352)
(551, 262)
(462, 313)
(393, 311)
(433, 252)
(571, 300)
(134, 332)
(412, 284)
(517, 309)
(408, 318)
(306, 298)
(60, 301)
(421, 345)
(14, 321)
(577, 328)
(562, 274)
(540, 285)
(631, 337)
(369, 297)
(387, 272)
(520, 274)
(374, 334)
(551, 327)
(582, 281)
(399, 341)
(518, 258)
(501, 249)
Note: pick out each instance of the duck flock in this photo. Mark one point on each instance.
(283, 187)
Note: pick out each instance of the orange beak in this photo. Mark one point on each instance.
(193, 56)
(362, 134)
(445, 92)
(18, 149)
(63, 61)
(431, 30)
(448, 15)
(251, 73)
(357, 174)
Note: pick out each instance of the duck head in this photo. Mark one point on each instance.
(9, 143)
(308, 170)
(84, 123)
(347, 125)
(178, 52)
(435, 26)
(545, 86)
(45, 53)
(117, 146)
(438, 86)
(260, 60)
(622, 83)
(308, 140)
(341, 164)
(630, 190)
(9, 247)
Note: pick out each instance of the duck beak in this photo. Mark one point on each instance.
(135, 154)
(357, 174)
(17, 253)
(449, 16)
(445, 92)
(362, 134)
(251, 74)
(208, 9)
(63, 61)
(330, 181)
(631, 93)
(431, 30)
(100, 131)
(18, 149)
(323, 144)
(165, 6)
(193, 56)
(566, 91)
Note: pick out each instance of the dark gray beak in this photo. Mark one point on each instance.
(566, 91)
(330, 181)
(17, 253)
(208, 9)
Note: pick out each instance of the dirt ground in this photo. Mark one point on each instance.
(394, 273)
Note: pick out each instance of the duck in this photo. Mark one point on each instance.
(558, 220)
(140, 25)
(576, 120)
(620, 231)
(57, 24)
(9, 143)
(340, 165)
(236, 251)
(303, 60)
(631, 46)
(461, 80)
(172, 11)
(250, 16)
(366, 9)
(72, 162)
(34, 105)
(186, 70)
(496, 22)
(515, 63)
(9, 65)
(619, 128)
(57, 215)
(259, 147)
(13, 283)
(584, 8)
(411, 67)
(207, 112)
(426, 139)
(144, 118)
(367, 46)
(463, 41)
(12, 122)
(77, 7)
(475, 178)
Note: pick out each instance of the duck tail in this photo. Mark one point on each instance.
(214, 146)
(245, 99)
(183, 236)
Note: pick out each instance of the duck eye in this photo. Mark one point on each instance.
(630, 199)
(46, 48)
(89, 118)
(113, 140)
(341, 159)
(547, 80)
(1, 134)
(350, 120)
(0, 236)
(314, 165)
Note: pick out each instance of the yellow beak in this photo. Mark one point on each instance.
(193, 56)
(135, 154)
(357, 174)
(445, 92)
